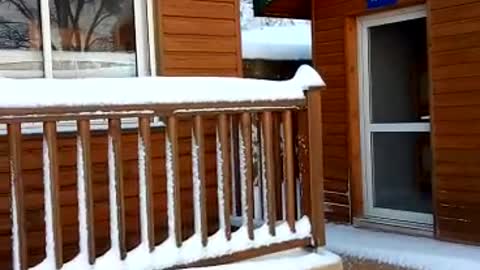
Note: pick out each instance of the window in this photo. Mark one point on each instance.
(86, 38)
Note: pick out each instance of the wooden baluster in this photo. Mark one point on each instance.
(84, 168)
(145, 182)
(223, 145)
(277, 160)
(173, 182)
(200, 201)
(247, 172)
(53, 227)
(19, 243)
(289, 168)
(267, 128)
(117, 204)
(317, 216)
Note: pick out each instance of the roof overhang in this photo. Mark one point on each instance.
(294, 9)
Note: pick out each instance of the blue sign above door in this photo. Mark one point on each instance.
(380, 3)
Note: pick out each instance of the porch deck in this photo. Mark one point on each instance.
(285, 171)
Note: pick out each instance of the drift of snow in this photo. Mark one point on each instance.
(142, 190)
(297, 259)
(170, 187)
(402, 250)
(112, 187)
(153, 90)
(292, 42)
(196, 186)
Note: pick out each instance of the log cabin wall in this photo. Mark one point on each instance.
(454, 43)
(193, 38)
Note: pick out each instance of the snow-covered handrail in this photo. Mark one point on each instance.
(264, 106)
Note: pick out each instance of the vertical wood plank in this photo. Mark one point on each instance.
(85, 187)
(247, 171)
(117, 203)
(146, 188)
(303, 161)
(289, 168)
(198, 147)
(51, 189)
(19, 243)
(173, 182)
(267, 127)
(236, 193)
(224, 181)
(317, 216)
(277, 160)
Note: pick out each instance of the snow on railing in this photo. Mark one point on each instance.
(197, 101)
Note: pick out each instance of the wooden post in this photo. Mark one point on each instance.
(145, 155)
(199, 148)
(289, 169)
(173, 184)
(247, 171)
(224, 147)
(317, 215)
(52, 185)
(84, 153)
(18, 199)
(267, 128)
(116, 180)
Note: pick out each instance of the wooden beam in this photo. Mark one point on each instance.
(247, 171)
(18, 199)
(199, 148)
(289, 168)
(173, 181)
(270, 189)
(84, 153)
(145, 157)
(116, 184)
(52, 187)
(317, 215)
(225, 180)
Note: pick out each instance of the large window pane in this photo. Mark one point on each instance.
(20, 39)
(93, 38)
(402, 171)
(399, 72)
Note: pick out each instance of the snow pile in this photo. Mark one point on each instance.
(32, 93)
(292, 42)
(402, 250)
(297, 259)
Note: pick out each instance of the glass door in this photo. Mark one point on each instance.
(394, 105)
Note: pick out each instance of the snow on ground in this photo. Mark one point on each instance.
(290, 42)
(297, 259)
(153, 90)
(401, 250)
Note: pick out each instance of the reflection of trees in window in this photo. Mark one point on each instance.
(77, 25)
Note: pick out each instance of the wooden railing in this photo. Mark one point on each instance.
(301, 169)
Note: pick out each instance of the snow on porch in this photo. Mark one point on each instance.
(33, 93)
(402, 250)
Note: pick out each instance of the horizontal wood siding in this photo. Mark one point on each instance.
(297, 9)
(455, 62)
(329, 19)
(199, 37)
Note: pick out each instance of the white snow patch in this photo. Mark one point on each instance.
(296, 259)
(82, 206)
(112, 183)
(15, 228)
(153, 90)
(287, 42)
(402, 250)
(170, 188)
(243, 177)
(142, 191)
(196, 186)
(220, 182)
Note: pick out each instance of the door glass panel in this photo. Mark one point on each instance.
(20, 39)
(402, 168)
(399, 72)
(93, 38)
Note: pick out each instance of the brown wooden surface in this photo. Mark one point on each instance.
(84, 140)
(173, 140)
(144, 136)
(267, 127)
(289, 169)
(246, 130)
(298, 9)
(50, 142)
(199, 37)
(224, 140)
(114, 134)
(454, 61)
(15, 152)
(200, 143)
